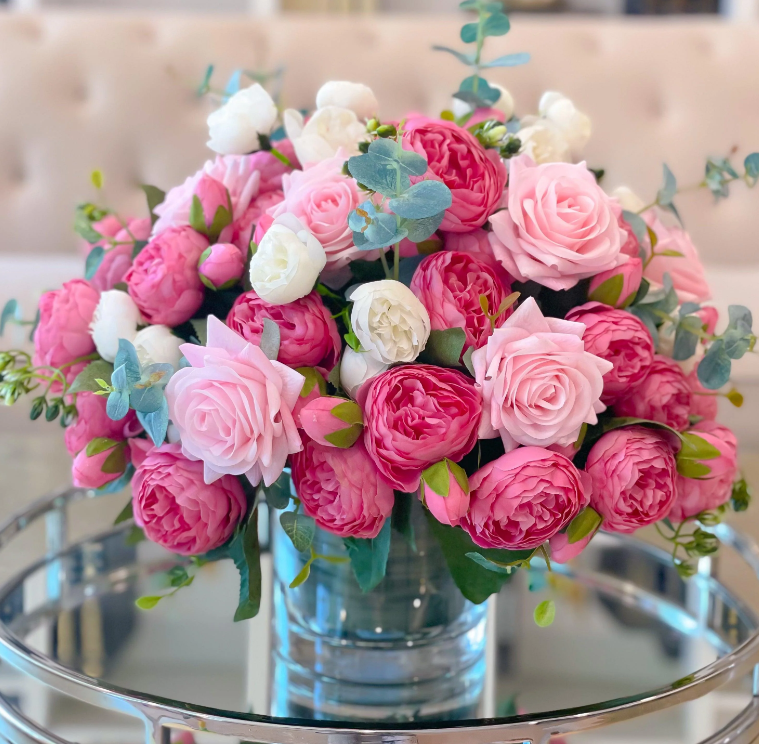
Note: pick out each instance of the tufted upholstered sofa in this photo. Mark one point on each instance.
(116, 92)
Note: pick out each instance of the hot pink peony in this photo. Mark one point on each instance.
(342, 490)
(559, 227)
(617, 287)
(92, 422)
(233, 407)
(633, 475)
(118, 259)
(414, 416)
(523, 499)
(221, 265)
(619, 338)
(163, 280)
(695, 495)
(87, 472)
(663, 395)
(308, 333)
(177, 510)
(475, 176)
(450, 285)
(539, 383)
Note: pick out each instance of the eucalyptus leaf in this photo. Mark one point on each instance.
(740, 318)
(468, 33)
(246, 554)
(407, 268)
(270, 339)
(92, 263)
(384, 231)
(637, 224)
(714, 369)
(421, 230)
(369, 557)
(669, 187)
(686, 340)
(278, 494)
(11, 311)
(736, 343)
(751, 164)
(422, 200)
(127, 357)
(483, 90)
(156, 423)
(467, 59)
(386, 168)
(508, 60)
(480, 560)
(299, 528)
(118, 485)
(117, 406)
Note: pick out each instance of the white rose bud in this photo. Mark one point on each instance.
(628, 199)
(574, 125)
(356, 368)
(287, 262)
(328, 130)
(389, 321)
(357, 97)
(116, 316)
(156, 344)
(234, 128)
(543, 141)
(505, 104)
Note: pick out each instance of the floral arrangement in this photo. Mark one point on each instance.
(446, 309)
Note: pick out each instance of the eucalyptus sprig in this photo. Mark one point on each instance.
(698, 543)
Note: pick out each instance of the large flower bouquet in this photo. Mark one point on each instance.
(446, 309)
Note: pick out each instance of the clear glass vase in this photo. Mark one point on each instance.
(413, 649)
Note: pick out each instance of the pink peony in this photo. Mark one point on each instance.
(414, 416)
(320, 420)
(475, 176)
(475, 243)
(221, 265)
(619, 338)
(617, 287)
(177, 510)
(559, 227)
(308, 333)
(233, 407)
(63, 331)
(163, 280)
(695, 495)
(539, 384)
(244, 229)
(450, 285)
(342, 490)
(87, 472)
(562, 551)
(663, 395)
(92, 422)
(449, 509)
(703, 402)
(685, 270)
(633, 475)
(523, 499)
(118, 259)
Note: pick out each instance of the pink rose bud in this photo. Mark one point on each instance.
(617, 287)
(212, 196)
(709, 317)
(314, 386)
(101, 468)
(221, 265)
(332, 422)
(445, 491)
(563, 551)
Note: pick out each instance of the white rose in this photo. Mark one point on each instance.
(357, 97)
(329, 129)
(574, 125)
(234, 128)
(628, 199)
(156, 344)
(504, 104)
(287, 263)
(389, 321)
(116, 316)
(356, 368)
(543, 141)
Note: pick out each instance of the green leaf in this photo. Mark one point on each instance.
(116, 462)
(86, 214)
(438, 478)
(497, 568)
(148, 602)
(197, 216)
(466, 59)
(444, 347)
(270, 339)
(11, 311)
(135, 535)
(345, 438)
(278, 494)
(508, 60)
(100, 444)
(545, 613)
(686, 338)
(302, 576)
(697, 448)
(422, 200)
(349, 412)
(400, 519)
(735, 397)
(369, 557)
(468, 33)
(751, 164)
(485, 93)
(125, 514)
(714, 369)
(299, 528)
(154, 196)
(127, 356)
(421, 230)
(496, 25)
(380, 168)
(205, 84)
(313, 379)
(246, 554)
(692, 468)
(383, 232)
(740, 498)
(221, 219)
(669, 188)
(94, 259)
(584, 524)
(467, 359)
(97, 179)
(609, 291)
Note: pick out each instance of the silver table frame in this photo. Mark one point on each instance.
(160, 716)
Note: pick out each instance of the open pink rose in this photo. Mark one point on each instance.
(118, 259)
(685, 269)
(619, 338)
(523, 499)
(414, 416)
(450, 285)
(87, 472)
(308, 333)
(539, 384)
(92, 422)
(703, 402)
(695, 495)
(163, 280)
(177, 509)
(221, 265)
(475, 176)
(617, 287)
(559, 227)
(233, 407)
(342, 490)
(663, 395)
(633, 475)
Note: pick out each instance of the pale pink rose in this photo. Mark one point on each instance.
(221, 265)
(619, 338)
(163, 280)
(118, 259)
(685, 270)
(318, 421)
(523, 499)
(450, 509)
(695, 495)
(633, 475)
(92, 422)
(87, 472)
(562, 551)
(342, 490)
(663, 395)
(233, 407)
(243, 230)
(630, 245)
(560, 227)
(308, 333)
(475, 176)
(539, 384)
(414, 416)
(450, 285)
(606, 287)
(703, 402)
(177, 509)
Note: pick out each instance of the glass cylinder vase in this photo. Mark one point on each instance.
(412, 649)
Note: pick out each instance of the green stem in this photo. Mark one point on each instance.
(385, 264)
(281, 157)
